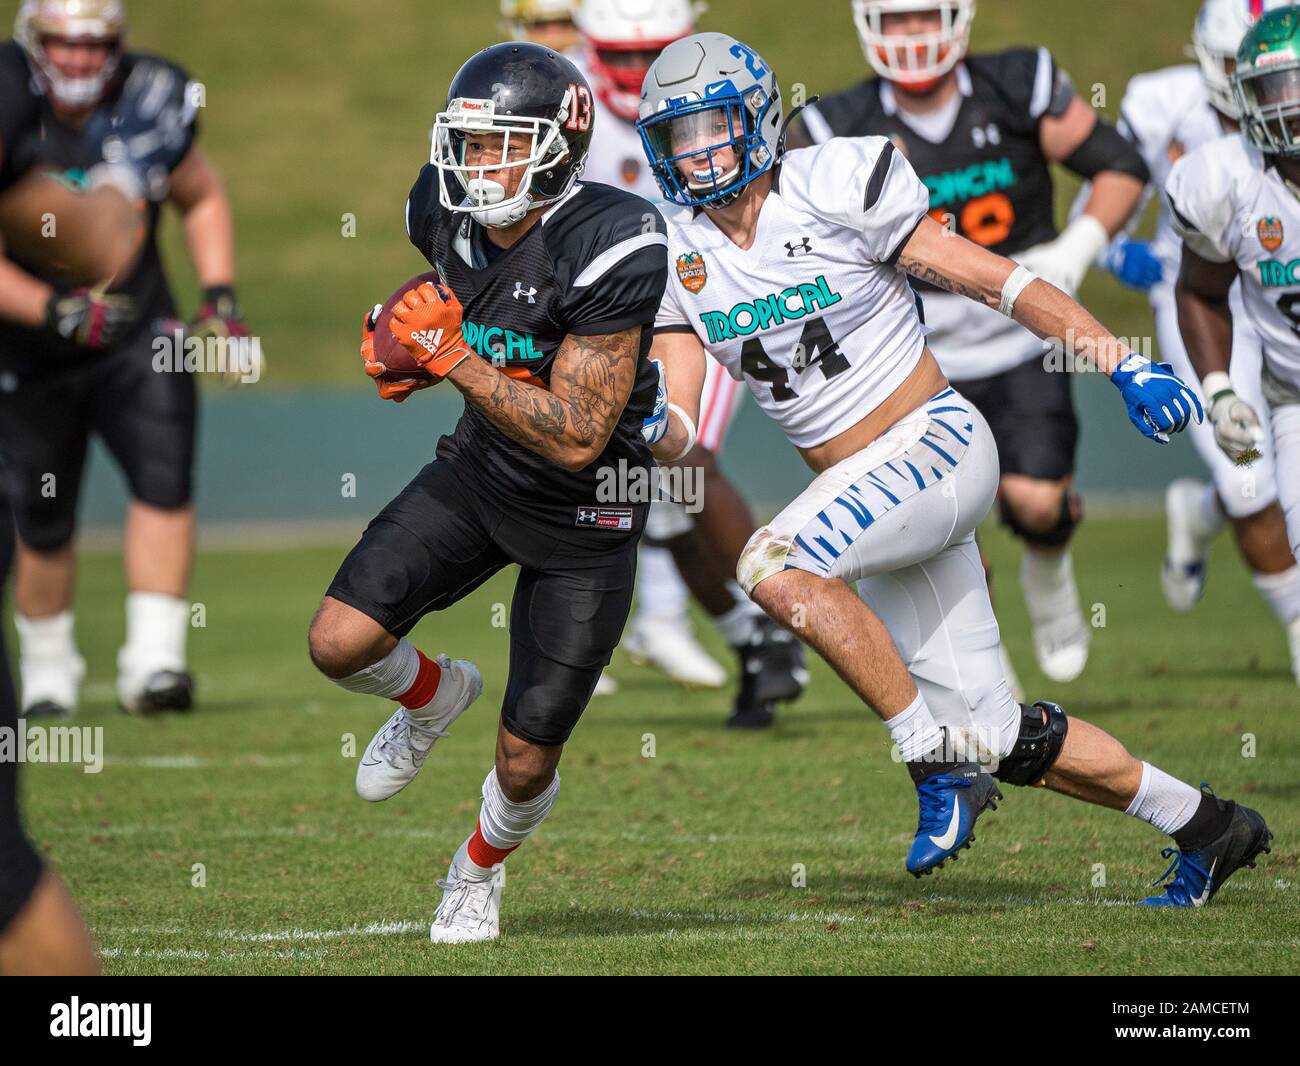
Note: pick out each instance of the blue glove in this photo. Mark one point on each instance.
(1134, 265)
(1158, 402)
(654, 427)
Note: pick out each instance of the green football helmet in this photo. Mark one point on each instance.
(1266, 83)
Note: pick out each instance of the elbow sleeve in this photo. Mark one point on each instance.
(1105, 149)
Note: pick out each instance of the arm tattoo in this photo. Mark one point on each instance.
(591, 380)
(595, 374)
(924, 272)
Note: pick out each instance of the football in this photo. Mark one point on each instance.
(388, 349)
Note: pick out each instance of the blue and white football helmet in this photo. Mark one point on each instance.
(711, 119)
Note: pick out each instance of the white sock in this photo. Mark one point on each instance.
(503, 823)
(156, 628)
(1281, 592)
(1210, 516)
(738, 625)
(389, 678)
(660, 590)
(49, 665)
(914, 730)
(1164, 801)
(46, 640)
(1048, 583)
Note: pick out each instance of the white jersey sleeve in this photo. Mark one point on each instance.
(863, 184)
(1202, 205)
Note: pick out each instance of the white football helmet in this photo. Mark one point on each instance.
(617, 33)
(72, 20)
(1220, 28)
(917, 61)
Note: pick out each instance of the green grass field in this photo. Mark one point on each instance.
(681, 863)
(325, 112)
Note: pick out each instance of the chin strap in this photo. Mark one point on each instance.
(785, 126)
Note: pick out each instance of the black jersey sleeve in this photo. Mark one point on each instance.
(422, 207)
(18, 108)
(1029, 82)
(190, 114)
(610, 250)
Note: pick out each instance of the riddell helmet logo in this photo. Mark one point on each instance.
(428, 339)
(1271, 233)
(692, 271)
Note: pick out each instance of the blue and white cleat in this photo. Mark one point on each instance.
(1193, 878)
(950, 803)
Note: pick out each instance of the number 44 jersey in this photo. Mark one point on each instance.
(814, 316)
(1230, 205)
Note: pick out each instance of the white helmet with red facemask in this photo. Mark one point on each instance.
(915, 62)
(622, 38)
(83, 21)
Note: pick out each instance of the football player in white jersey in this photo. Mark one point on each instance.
(1235, 204)
(1167, 114)
(620, 40)
(983, 132)
(831, 345)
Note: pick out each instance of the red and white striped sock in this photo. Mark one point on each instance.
(502, 826)
(424, 687)
(405, 674)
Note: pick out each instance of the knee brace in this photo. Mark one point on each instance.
(1043, 728)
(1056, 537)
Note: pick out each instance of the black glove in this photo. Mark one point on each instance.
(91, 319)
(148, 128)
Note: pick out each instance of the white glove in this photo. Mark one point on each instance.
(1237, 428)
(1064, 262)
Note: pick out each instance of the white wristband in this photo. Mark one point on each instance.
(688, 425)
(1014, 286)
(1215, 384)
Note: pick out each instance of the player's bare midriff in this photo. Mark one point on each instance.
(924, 381)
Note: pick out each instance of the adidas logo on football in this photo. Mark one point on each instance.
(429, 340)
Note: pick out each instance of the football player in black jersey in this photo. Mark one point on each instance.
(41, 931)
(982, 132)
(542, 319)
(77, 360)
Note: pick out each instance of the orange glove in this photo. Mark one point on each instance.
(427, 321)
(395, 390)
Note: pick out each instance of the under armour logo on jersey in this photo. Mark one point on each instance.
(530, 292)
(801, 247)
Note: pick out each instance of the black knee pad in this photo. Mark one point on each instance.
(1056, 537)
(1037, 747)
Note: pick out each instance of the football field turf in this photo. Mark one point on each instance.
(231, 841)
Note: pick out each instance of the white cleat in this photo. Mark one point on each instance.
(1063, 653)
(1009, 672)
(395, 754)
(1061, 634)
(605, 685)
(470, 910)
(667, 644)
(1187, 554)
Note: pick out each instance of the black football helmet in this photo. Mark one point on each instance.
(530, 96)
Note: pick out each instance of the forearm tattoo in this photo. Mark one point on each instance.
(590, 382)
(924, 272)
